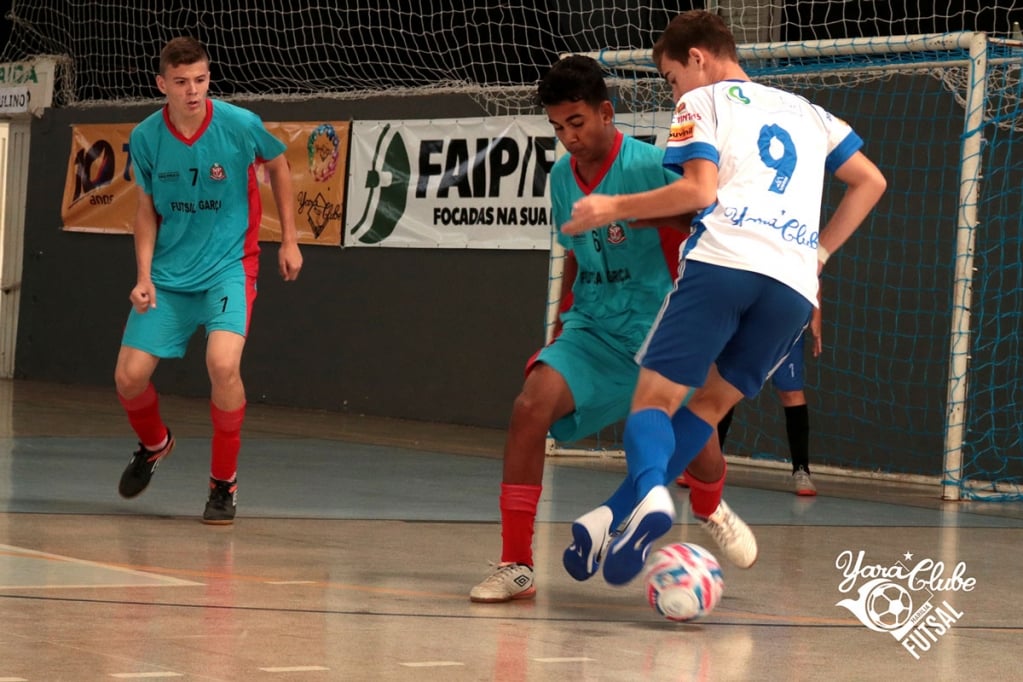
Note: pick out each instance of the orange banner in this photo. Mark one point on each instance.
(100, 193)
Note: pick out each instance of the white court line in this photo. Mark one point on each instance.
(139, 676)
(431, 664)
(295, 669)
(291, 582)
(581, 659)
(165, 581)
(89, 586)
(13, 679)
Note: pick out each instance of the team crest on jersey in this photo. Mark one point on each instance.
(615, 234)
(217, 172)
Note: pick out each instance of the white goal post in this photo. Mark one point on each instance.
(866, 58)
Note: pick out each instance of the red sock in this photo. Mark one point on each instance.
(144, 416)
(227, 441)
(518, 511)
(704, 497)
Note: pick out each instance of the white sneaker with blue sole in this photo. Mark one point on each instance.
(652, 518)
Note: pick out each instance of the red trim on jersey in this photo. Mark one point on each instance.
(605, 167)
(250, 299)
(671, 243)
(198, 133)
(250, 256)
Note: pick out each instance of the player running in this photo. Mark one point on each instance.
(197, 257)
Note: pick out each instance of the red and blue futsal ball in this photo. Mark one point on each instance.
(684, 582)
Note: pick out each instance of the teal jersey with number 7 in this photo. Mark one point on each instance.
(205, 192)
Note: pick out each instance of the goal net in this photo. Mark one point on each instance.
(921, 363)
(288, 48)
(921, 368)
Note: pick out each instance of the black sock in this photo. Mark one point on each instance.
(797, 426)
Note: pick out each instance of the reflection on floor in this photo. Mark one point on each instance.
(358, 540)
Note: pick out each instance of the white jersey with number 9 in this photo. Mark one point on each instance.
(772, 149)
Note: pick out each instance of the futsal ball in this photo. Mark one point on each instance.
(684, 582)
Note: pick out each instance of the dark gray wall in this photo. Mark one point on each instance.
(877, 393)
(441, 335)
(426, 334)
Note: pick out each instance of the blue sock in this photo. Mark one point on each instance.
(649, 442)
(622, 501)
(691, 434)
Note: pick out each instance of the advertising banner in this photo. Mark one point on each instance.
(100, 194)
(454, 183)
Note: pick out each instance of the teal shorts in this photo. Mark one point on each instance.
(601, 377)
(164, 331)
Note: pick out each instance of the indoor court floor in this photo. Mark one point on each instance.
(358, 539)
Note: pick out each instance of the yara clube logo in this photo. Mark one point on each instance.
(898, 598)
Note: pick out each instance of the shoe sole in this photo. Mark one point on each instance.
(170, 449)
(525, 594)
(621, 566)
(571, 559)
(218, 522)
(806, 493)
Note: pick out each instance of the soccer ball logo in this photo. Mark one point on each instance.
(684, 582)
(889, 606)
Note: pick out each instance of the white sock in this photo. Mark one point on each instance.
(161, 446)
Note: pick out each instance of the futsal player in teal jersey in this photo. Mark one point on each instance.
(614, 281)
(196, 253)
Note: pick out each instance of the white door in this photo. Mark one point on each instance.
(14, 143)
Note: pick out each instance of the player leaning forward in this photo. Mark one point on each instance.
(583, 380)
(753, 160)
(196, 253)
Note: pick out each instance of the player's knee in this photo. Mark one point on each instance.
(129, 381)
(530, 409)
(792, 398)
(223, 372)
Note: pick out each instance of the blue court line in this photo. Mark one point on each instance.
(323, 479)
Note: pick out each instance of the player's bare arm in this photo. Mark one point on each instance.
(694, 191)
(289, 258)
(143, 294)
(865, 185)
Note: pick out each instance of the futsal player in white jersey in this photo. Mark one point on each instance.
(753, 160)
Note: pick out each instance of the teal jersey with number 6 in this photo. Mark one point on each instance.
(205, 192)
(624, 272)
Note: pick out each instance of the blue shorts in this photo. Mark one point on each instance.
(164, 331)
(743, 321)
(789, 376)
(601, 377)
